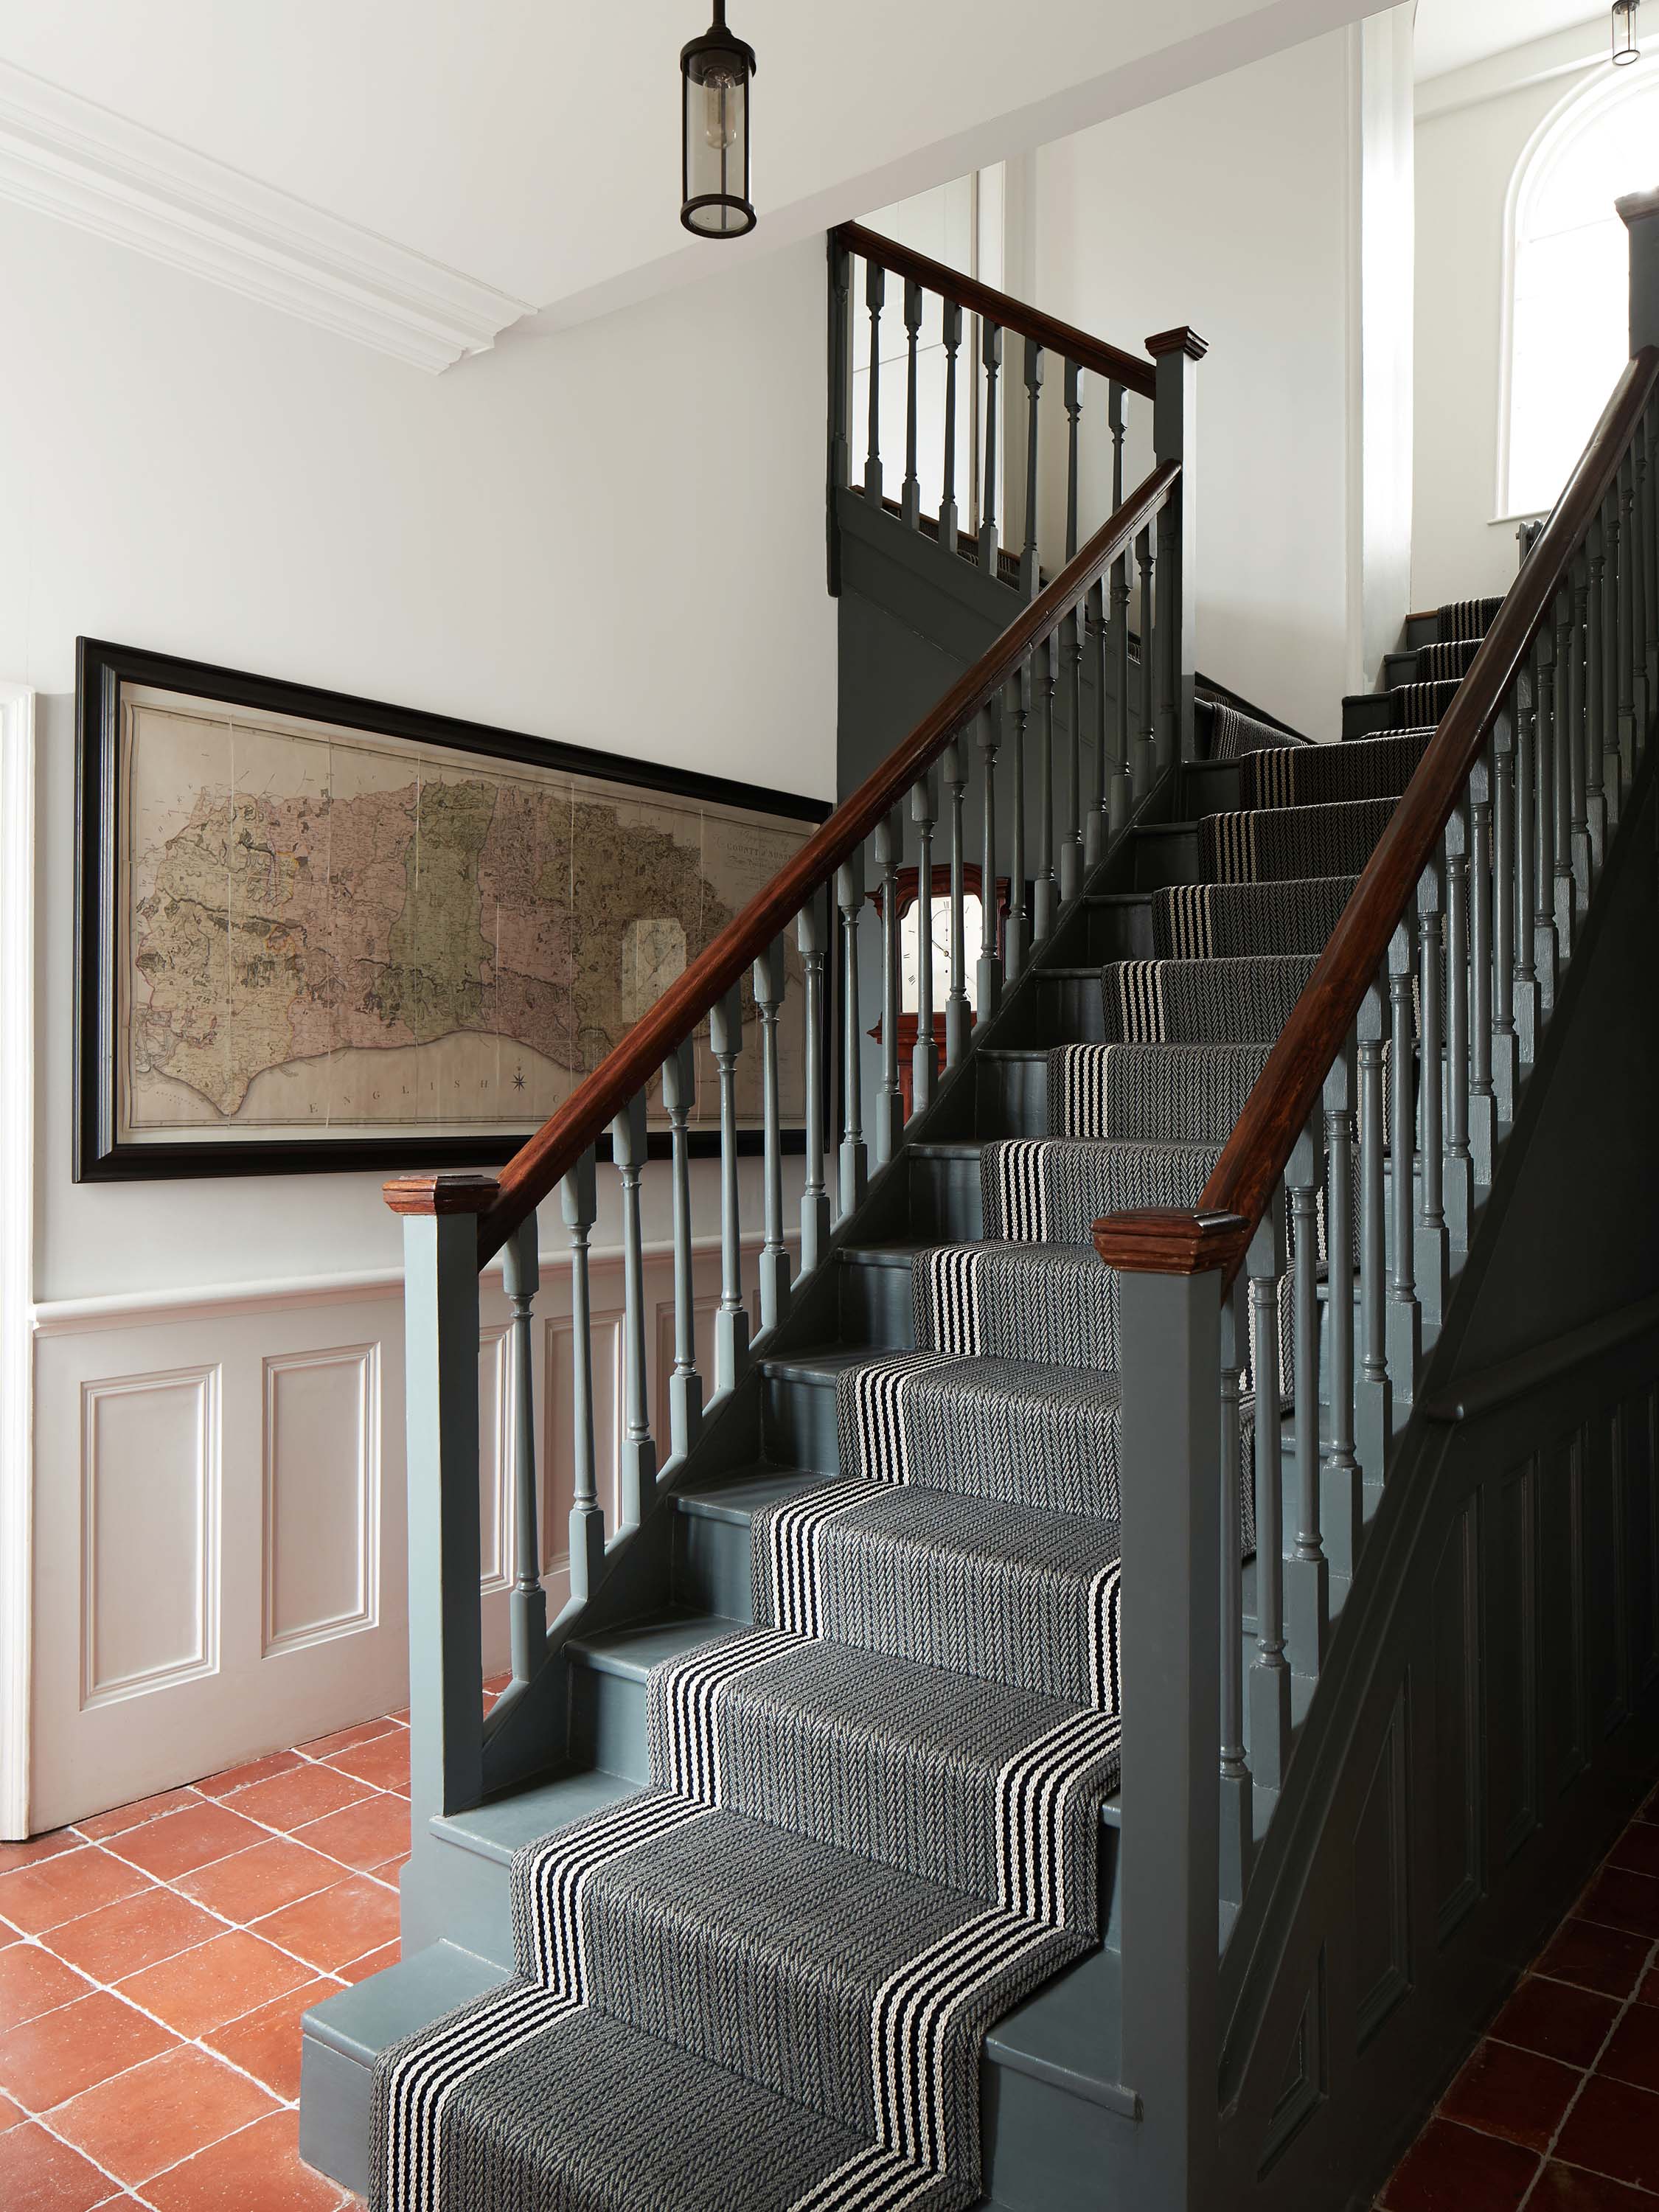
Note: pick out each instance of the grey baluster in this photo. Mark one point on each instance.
(1506, 1046)
(731, 1316)
(1145, 765)
(854, 1162)
(1120, 589)
(578, 1202)
(1642, 634)
(1270, 1672)
(1527, 1005)
(911, 498)
(958, 1014)
(1544, 917)
(1307, 1571)
(1073, 424)
(1595, 796)
(1343, 1510)
(1095, 822)
(1612, 759)
(1432, 1257)
(887, 845)
(1045, 904)
(814, 929)
(988, 994)
(1578, 737)
(1166, 644)
(991, 352)
(1374, 1394)
(1559, 689)
(1071, 843)
(679, 1096)
(1457, 1199)
(1627, 728)
(875, 286)
(951, 323)
(1237, 1809)
(1017, 930)
(1028, 559)
(771, 979)
(629, 1149)
(841, 362)
(1405, 1314)
(527, 1607)
(923, 808)
(1483, 1091)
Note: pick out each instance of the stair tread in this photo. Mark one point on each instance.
(739, 1497)
(505, 1824)
(362, 2019)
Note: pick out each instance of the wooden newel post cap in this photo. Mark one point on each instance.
(451, 1190)
(1156, 1240)
(1180, 340)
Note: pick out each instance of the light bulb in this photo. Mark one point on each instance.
(720, 108)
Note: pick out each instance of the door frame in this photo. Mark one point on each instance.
(16, 1246)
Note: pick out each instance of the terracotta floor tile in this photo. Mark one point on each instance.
(65, 1889)
(402, 1718)
(1607, 1959)
(1638, 1849)
(1633, 2054)
(32, 1981)
(68, 2050)
(261, 2165)
(325, 1747)
(180, 1842)
(355, 1917)
(383, 1764)
(11, 2116)
(1556, 2018)
(38, 2173)
(1614, 1898)
(266, 2042)
(359, 1970)
(364, 1835)
(1453, 2169)
(389, 1870)
(289, 1801)
(117, 1941)
(13, 1856)
(124, 1817)
(255, 1769)
(218, 1981)
(1570, 2189)
(1613, 2130)
(496, 1683)
(251, 1883)
(1514, 2093)
(160, 2114)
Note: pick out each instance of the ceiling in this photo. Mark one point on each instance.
(532, 145)
(1450, 34)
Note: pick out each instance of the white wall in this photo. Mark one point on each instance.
(612, 537)
(1225, 207)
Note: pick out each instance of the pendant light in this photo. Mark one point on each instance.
(1624, 48)
(716, 68)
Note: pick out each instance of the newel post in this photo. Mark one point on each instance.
(1170, 1357)
(1178, 353)
(1640, 211)
(440, 1326)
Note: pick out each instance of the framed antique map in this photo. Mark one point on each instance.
(319, 933)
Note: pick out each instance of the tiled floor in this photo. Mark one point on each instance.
(1558, 2110)
(154, 1963)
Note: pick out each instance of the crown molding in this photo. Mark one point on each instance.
(64, 156)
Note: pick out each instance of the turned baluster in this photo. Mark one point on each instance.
(1044, 889)
(814, 929)
(1270, 1674)
(1373, 1397)
(771, 981)
(527, 1607)
(1595, 796)
(1527, 995)
(888, 844)
(1627, 568)
(731, 1316)
(875, 286)
(911, 498)
(854, 1164)
(1097, 821)
(578, 1202)
(1505, 1052)
(840, 346)
(1028, 559)
(991, 351)
(629, 1149)
(1307, 1571)
(1016, 937)
(923, 1060)
(679, 1094)
(1483, 1093)
(1120, 590)
(958, 1014)
(1458, 1191)
(1566, 889)
(951, 319)
(1237, 1811)
(1342, 1499)
(1071, 843)
(1432, 1258)
(988, 974)
(1547, 943)
(1612, 758)
(1146, 758)
(1405, 1314)
(1166, 646)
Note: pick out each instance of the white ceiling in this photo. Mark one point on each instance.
(1450, 34)
(532, 145)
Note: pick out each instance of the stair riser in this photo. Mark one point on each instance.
(713, 1568)
(1059, 1009)
(876, 1305)
(798, 1424)
(1367, 714)
(946, 1203)
(1162, 857)
(1011, 1098)
(1118, 929)
(1209, 788)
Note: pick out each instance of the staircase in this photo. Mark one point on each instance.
(973, 1773)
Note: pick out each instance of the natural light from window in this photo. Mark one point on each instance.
(1569, 315)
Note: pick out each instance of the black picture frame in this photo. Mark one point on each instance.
(102, 669)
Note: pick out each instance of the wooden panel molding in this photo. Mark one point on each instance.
(322, 1495)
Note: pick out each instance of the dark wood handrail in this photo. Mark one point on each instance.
(1276, 1112)
(538, 1166)
(1010, 314)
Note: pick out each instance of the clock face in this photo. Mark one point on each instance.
(653, 957)
(910, 951)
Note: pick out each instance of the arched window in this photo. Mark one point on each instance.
(1569, 301)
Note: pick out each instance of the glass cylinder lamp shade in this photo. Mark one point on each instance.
(717, 70)
(1624, 48)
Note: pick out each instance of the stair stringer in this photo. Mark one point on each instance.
(1490, 1716)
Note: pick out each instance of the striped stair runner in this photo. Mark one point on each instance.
(762, 1984)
